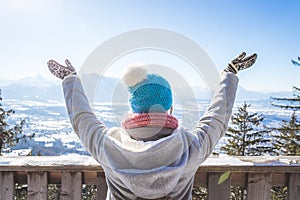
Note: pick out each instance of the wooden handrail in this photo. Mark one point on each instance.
(257, 174)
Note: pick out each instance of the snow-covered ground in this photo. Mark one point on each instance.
(55, 136)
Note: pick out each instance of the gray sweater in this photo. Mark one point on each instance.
(153, 169)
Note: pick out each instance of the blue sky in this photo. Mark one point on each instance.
(32, 32)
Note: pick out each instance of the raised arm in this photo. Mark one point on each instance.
(89, 129)
(213, 125)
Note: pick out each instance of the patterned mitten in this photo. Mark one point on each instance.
(241, 63)
(59, 70)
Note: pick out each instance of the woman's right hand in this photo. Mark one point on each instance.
(59, 70)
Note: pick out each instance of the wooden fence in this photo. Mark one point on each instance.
(257, 174)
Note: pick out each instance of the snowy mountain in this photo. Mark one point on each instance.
(5, 81)
(20, 91)
(244, 94)
(105, 89)
(37, 81)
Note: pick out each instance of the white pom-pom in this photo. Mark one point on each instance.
(134, 75)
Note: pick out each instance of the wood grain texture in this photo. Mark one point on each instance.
(218, 191)
(37, 185)
(71, 186)
(294, 186)
(259, 186)
(7, 188)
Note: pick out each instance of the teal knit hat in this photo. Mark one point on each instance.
(148, 92)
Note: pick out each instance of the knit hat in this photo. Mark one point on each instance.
(148, 92)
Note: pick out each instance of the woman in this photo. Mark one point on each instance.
(150, 156)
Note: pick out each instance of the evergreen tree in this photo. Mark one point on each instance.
(292, 103)
(297, 63)
(246, 136)
(10, 135)
(287, 142)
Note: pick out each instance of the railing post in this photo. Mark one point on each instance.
(71, 186)
(259, 186)
(218, 191)
(101, 186)
(294, 186)
(37, 185)
(7, 187)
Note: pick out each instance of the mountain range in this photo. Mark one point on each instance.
(105, 89)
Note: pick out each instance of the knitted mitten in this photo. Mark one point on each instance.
(241, 63)
(59, 70)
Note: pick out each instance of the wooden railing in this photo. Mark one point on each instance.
(257, 174)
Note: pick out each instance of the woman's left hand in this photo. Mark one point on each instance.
(241, 62)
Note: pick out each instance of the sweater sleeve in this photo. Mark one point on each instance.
(214, 123)
(89, 129)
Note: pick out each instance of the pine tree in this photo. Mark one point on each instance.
(246, 136)
(292, 103)
(297, 63)
(10, 135)
(287, 142)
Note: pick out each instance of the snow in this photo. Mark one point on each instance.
(75, 159)
(253, 161)
(49, 145)
(49, 120)
(285, 161)
(66, 138)
(44, 139)
(52, 124)
(226, 160)
(18, 152)
(71, 159)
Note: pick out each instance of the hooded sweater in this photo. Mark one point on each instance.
(160, 169)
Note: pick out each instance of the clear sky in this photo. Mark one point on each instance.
(32, 32)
